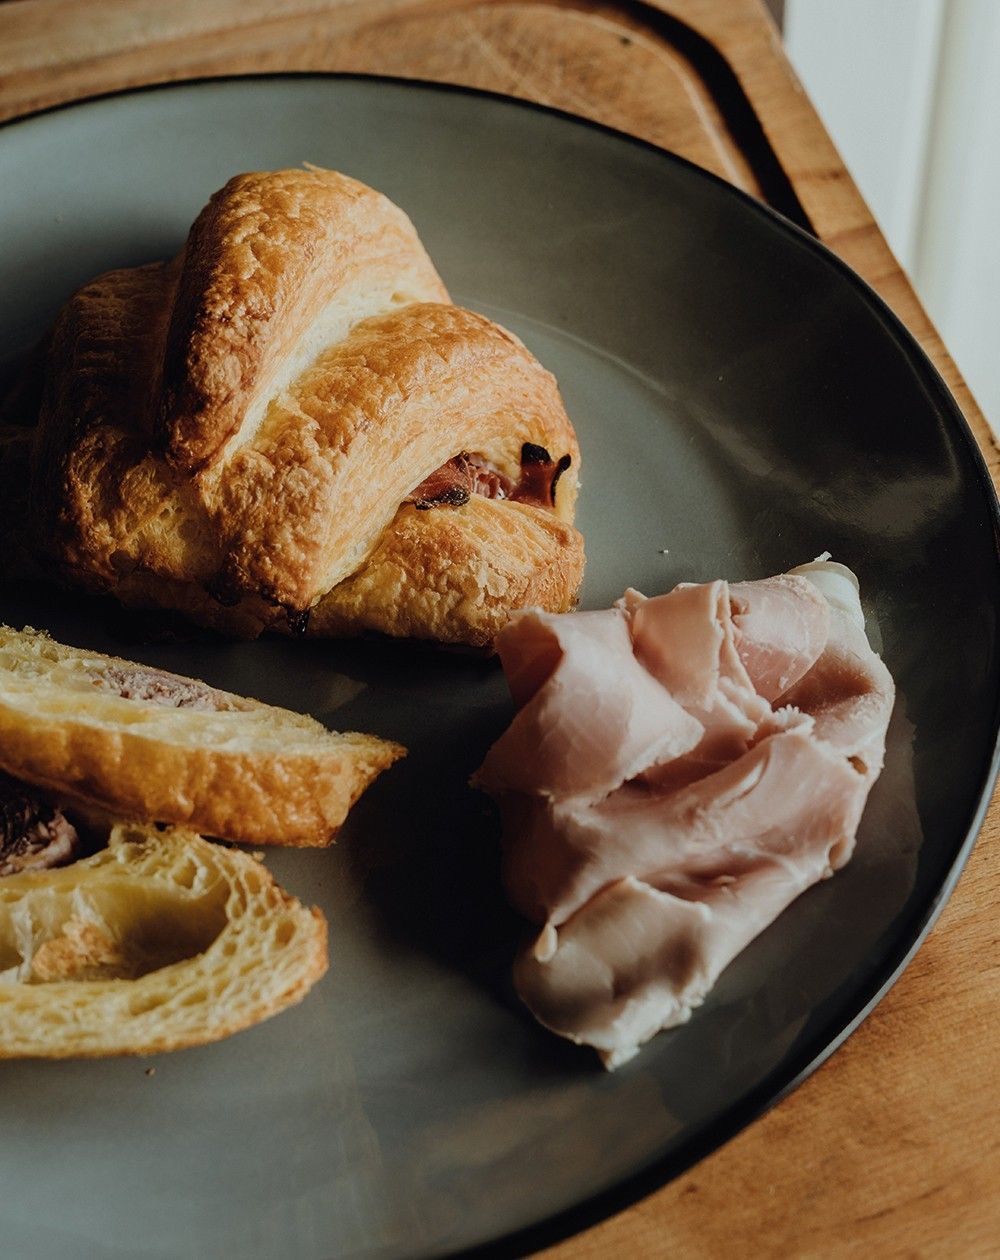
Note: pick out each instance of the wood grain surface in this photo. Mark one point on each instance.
(892, 1148)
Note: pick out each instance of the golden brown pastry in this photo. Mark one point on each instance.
(159, 941)
(290, 426)
(139, 743)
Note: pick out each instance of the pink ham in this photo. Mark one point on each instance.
(780, 626)
(575, 735)
(849, 694)
(685, 640)
(650, 870)
(639, 959)
(790, 790)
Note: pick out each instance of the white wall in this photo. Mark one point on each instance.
(910, 92)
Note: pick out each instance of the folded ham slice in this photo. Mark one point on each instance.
(679, 770)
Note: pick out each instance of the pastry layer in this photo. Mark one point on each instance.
(162, 940)
(239, 427)
(143, 744)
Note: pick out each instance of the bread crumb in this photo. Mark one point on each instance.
(150, 1071)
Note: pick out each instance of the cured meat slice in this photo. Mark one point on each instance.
(780, 627)
(592, 717)
(789, 793)
(686, 640)
(714, 865)
(849, 692)
(34, 834)
(639, 959)
(650, 865)
(464, 475)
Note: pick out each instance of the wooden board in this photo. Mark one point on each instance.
(890, 1149)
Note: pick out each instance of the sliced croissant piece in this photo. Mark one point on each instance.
(141, 743)
(234, 433)
(161, 940)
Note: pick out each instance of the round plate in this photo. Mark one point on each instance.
(743, 403)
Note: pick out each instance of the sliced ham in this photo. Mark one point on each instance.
(685, 639)
(455, 482)
(780, 627)
(789, 791)
(649, 861)
(849, 692)
(576, 735)
(464, 475)
(640, 959)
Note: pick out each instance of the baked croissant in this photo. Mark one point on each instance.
(139, 743)
(290, 426)
(161, 940)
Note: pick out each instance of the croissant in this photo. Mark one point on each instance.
(133, 742)
(160, 940)
(290, 426)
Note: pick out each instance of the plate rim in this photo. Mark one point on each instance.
(779, 1083)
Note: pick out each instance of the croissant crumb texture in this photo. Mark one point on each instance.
(161, 940)
(237, 433)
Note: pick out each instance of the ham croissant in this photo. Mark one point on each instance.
(159, 941)
(290, 426)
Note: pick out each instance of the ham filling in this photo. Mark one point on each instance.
(456, 482)
(156, 686)
(34, 835)
(679, 770)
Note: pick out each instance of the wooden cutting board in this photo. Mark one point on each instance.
(891, 1148)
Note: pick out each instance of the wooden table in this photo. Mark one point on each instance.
(892, 1148)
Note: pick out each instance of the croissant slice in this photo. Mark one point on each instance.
(234, 433)
(159, 941)
(144, 744)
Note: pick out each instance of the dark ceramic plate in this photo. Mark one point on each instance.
(743, 403)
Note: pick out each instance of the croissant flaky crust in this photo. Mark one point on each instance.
(291, 426)
(140, 743)
(161, 940)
